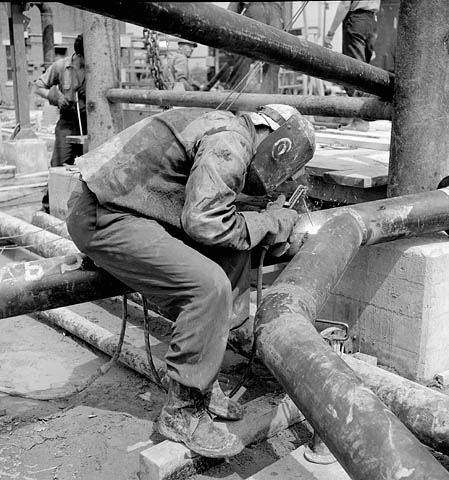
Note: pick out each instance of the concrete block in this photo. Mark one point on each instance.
(264, 417)
(27, 155)
(394, 297)
(61, 181)
(443, 378)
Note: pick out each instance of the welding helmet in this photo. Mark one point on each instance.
(289, 146)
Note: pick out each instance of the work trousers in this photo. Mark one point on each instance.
(359, 37)
(173, 272)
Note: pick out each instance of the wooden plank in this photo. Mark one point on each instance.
(330, 192)
(350, 140)
(365, 178)
(264, 417)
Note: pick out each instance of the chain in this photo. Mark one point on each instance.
(151, 42)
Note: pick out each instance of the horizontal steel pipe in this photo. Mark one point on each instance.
(219, 28)
(53, 282)
(365, 437)
(385, 220)
(36, 239)
(332, 106)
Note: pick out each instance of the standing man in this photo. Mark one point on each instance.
(270, 13)
(156, 208)
(178, 66)
(63, 85)
(359, 36)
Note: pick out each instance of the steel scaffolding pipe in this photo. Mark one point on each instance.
(365, 437)
(331, 106)
(219, 28)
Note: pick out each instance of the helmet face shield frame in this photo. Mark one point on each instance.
(280, 155)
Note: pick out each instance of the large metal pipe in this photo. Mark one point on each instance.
(219, 28)
(365, 437)
(387, 219)
(420, 128)
(332, 106)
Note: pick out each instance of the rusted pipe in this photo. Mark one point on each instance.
(219, 28)
(36, 239)
(365, 437)
(332, 106)
(423, 411)
(101, 339)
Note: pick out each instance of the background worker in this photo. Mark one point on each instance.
(63, 85)
(359, 36)
(178, 66)
(172, 181)
(270, 13)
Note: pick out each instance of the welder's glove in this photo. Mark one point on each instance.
(282, 222)
(56, 98)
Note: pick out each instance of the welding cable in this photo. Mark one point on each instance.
(146, 326)
(245, 376)
(97, 374)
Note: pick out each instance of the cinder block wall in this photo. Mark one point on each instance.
(395, 297)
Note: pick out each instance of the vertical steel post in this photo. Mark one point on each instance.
(20, 71)
(102, 56)
(420, 129)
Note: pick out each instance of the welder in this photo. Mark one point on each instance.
(156, 207)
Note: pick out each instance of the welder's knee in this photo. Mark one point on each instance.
(214, 285)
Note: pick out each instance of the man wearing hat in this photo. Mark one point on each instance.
(178, 66)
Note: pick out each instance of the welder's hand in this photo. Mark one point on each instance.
(56, 98)
(328, 41)
(283, 221)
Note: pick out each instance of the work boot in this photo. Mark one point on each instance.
(221, 405)
(185, 419)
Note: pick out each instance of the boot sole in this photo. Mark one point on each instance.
(200, 451)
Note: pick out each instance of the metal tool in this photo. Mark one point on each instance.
(300, 193)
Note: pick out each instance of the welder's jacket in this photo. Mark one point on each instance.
(183, 167)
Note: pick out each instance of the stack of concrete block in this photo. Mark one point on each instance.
(394, 297)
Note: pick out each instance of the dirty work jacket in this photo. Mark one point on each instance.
(183, 167)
